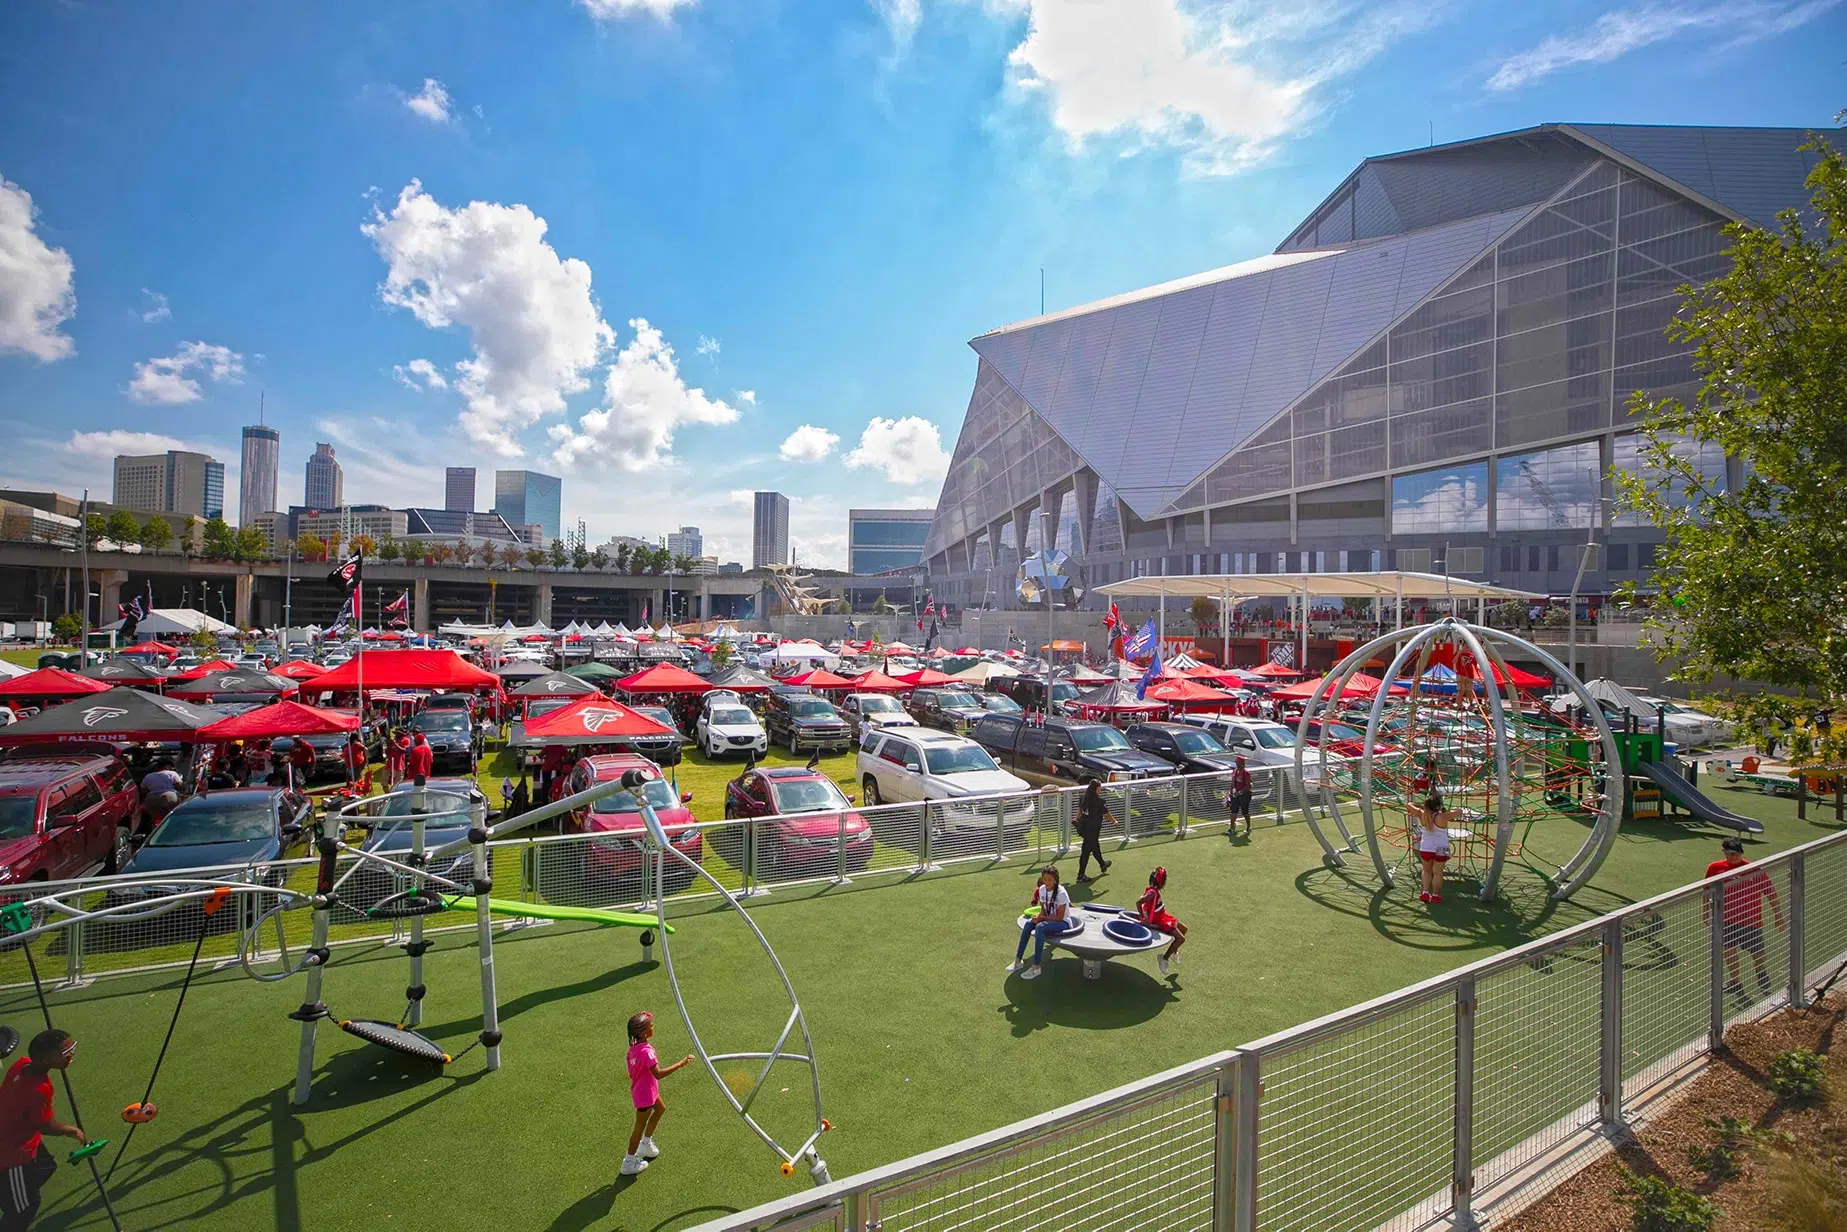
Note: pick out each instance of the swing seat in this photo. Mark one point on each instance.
(397, 1039)
(140, 1114)
(407, 903)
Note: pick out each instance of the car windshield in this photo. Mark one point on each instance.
(658, 713)
(1063, 690)
(807, 796)
(1196, 742)
(958, 759)
(545, 705)
(810, 708)
(438, 721)
(880, 705)
(1274, 738)
(728, 716)
(1340, 731)
(1000, 703)
(205, 819)
(657, 792)
(959, 701)
(1100, 740)
(18, 816)
(452, 808)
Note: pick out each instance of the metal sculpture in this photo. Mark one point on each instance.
(1494, 758)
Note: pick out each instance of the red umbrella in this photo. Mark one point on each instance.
(281, 719)
(52, 682)
(877, 682)
(1358, 685)
(968, 650)
(926, 678)
(1275, 670)
(535, 637)
(150, 648)
(299, 669)
(405, 669)
(662, 678)
(821, 678)
(592, 719)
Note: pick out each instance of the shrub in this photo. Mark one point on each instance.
(1798, 1075)
(1660, 1206)
(1807, 1198)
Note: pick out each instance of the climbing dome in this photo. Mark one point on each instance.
(1447, 713)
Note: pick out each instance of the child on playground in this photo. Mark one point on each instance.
(1150, 910)
(25, 1117)
(1432, 846)
(644, 1080)
(1044, 916)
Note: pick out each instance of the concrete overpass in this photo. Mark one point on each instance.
(38, 581)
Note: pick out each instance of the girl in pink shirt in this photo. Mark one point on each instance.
(644, 1080)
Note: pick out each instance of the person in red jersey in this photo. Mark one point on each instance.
(1151, 911)
(25, 1118)
(1741, 917)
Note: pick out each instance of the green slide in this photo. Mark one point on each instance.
(551, 911)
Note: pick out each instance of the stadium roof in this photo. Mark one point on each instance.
(1379, 584)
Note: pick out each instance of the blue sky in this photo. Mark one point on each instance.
(432, 233)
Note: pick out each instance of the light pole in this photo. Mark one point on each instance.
(83, 646)
(288, 593)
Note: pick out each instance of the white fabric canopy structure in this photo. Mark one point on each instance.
(176, 621)
(10, 670)
(813, 652)
(623, 630)
(1379, 584)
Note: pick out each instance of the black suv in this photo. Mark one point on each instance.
(1029, 692)
(1190, 750)
(1064, 752)
(950, 710)
(801, 719)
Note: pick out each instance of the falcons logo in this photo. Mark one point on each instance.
(101, 714)
(597, 720)
(553, 686)
(232, 681)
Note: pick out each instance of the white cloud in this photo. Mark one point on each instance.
(1617, 33)
(165, 381)
(1223, 82)
(908, 450)
(532, 322)
(611, 10)
(418, 374)
(36, 295)
(115, 441)
(708, 345)
(645, 401)
(825, 550)
(747, 396)
(154, 307)
(901, 17)
(808, 444)
(431, 103)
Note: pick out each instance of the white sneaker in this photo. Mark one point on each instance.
(1161, 962)
(633, 1165)
(1013, 966)
(1032, 973)
(647, 1149)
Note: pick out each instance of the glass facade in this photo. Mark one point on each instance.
(1708, 462)
(528, 498)
(878, 540)
(1449, 501)
(1553, 489)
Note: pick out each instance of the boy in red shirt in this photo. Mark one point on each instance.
(25, 1116)
(1742, 915)
(1151, 911)
(417, 762)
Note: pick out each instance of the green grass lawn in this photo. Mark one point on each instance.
(921, 1038)
(28, 656)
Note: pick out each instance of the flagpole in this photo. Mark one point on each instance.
(359, 624)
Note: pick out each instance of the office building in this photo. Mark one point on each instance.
(459, 489)
(256, 480)
(881, 539)
(325, 487)
(376, 521)
(449, 524)
(731, 568)
(686, 542)
(527, 498)
(769, 530)
(1432, 372)
(171, 482)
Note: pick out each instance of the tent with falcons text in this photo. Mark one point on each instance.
(589, 720)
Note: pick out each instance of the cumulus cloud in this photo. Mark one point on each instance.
(645, 401)
(708, 345)
(431, 103)
(901, 17)
(119, 440)
(612, 10)
(36, 294)
(533, 325)
(747, 396)
(1617, 33)
(154, 307)
(808, 444)
(418, 374)
(908, 450)
(165, 381)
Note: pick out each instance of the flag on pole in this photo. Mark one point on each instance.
(349, 573)
(1150, 676)
(399, 606)
(1112, 618)
(131, 614)
(1141, 643)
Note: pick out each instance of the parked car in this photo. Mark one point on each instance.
(244, 825)
(1064, 752)
(1261, 742)
(252, 662)
(613, 857)
(866, 711)
(450, 807)
(906, 765)
(803, 720)
(62, 810)
(1028, 692)
(1188, 749)
(448, 703)
(732, 728)
(664, 749)
(998, 703)
(798, 819)
(947, 709)
(451, 738)
(1687, 726)
(327, 748)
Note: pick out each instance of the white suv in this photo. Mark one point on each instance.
(730, 728)
(919, 765)
(867, 712)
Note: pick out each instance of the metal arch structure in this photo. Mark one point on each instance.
(658, 850)
(1413, 647)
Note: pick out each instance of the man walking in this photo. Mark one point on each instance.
(1238, 801)
(1741, 916)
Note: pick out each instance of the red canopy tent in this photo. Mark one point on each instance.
(404, 669)
(1275, 671)
(52, 682)
(281, 719)
(821, 678)
(592, 719)
(298, 669)
(1358, 685)
(150, 648)
(898, 648)
(1446, 655)
(204, 669)
(1185, 691)
(662, 678)
(877, 682)
(925, 678)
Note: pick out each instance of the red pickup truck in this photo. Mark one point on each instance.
(62, 810)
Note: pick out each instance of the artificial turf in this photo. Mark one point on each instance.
(920, 1036)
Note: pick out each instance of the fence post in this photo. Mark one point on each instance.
(1798, 908)
(1610, 1056)
(1248, 1086)
(840, 871)
(1064, 822)
(1715, 961)
(537, 851)
(1224, 1146)
(1279, 782)
(1462, 1181)
(1000, 828)
(857, 1208)
(1180, 817)
(923, 837)
(73, 955)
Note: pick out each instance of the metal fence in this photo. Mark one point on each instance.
(606, 869)
(1396, 1112)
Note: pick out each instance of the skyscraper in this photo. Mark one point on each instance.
(769, 530)
(256, 485)
(324, 489)
(527, 498)
(687, 541)
(459, 489)
(171, 482)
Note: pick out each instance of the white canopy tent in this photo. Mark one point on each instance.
(175, 622)
(805, 652)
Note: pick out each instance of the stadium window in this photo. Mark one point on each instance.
(1510, 559)
(1532, 558)
(1619, 557)
(1552, 558)
(1645, 555)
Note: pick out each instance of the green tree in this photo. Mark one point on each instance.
(599, 558)
(488, 554)
(388, 549)
(580, 557)
(658, 560)
(122, 527)
(415, 551)
(881, 606)
(157, 535)
(189, 535)
(95, 527)
(67, 628)
(220, 540)
(622, 558)
(365, 544)
(1752, 581)
(252, 544)
(535, 557)
(310, 547)
(721, 656)
(1205, 614)
(557, 554)
(205, 642)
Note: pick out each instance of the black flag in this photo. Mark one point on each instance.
(347, 574)
(132, 614)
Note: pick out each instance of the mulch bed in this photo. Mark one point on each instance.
(1735, 1085)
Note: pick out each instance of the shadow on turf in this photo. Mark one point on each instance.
(592, 1210)
(1062, 997)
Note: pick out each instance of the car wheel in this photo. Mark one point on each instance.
(793, 751)
(871, 792)
(119, 853)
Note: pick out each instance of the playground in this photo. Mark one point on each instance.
(920, 1037)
